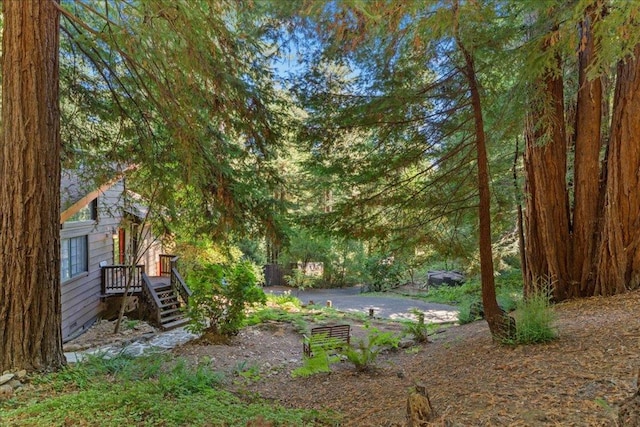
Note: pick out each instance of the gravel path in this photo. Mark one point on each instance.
(388, 306)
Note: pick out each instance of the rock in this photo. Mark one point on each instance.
(6, 390)
(6, 378)
(72, 347)
(447, 278)
(406, 343)
(21, 374)
(15, 384)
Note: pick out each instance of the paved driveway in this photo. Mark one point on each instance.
(385, 305)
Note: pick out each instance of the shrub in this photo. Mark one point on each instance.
(284, 299)
(534, 320)
(419, 329)
(469, 311)
(298, 279)
(383, 273)
(220, 296)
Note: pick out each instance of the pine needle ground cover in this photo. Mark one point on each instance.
(579, 379)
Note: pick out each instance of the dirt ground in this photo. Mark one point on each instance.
(577, 380)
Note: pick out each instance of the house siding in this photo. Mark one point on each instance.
(81, 295)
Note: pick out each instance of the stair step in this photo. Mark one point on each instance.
(164, 313)
(170, 319)
(169, 304)
(175, 324)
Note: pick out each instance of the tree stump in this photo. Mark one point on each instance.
(629, 413)
(419, 410)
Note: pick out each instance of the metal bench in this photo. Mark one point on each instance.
(326, 337)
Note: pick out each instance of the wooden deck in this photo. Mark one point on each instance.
(162, 298)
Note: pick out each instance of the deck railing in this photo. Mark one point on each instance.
(114, 279)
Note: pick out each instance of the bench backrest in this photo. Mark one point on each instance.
(324, 336)
(342, 332)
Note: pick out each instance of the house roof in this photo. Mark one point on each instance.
(77, 190)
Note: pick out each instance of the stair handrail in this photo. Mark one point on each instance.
(151, 297)
(178, 283)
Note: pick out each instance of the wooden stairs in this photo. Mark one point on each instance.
(169, 307)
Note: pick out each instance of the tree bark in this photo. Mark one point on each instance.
(30, 311)
(594, 248)
(619, 246)
(547, 204)
(500, 324)
(586, 163)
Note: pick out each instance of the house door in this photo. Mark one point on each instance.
(119, 247)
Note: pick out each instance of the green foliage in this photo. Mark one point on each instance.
(207, 140)
(122, 391)
(534, 319)
(298, 279)
(284, 299)
(131, 324)
(419, 329)
(467, 311)
(248, 371)
(508, 290)
(221, 294)
(454, 294)
(278, 315)
(319, 362)
(364, 354)
(383, 273)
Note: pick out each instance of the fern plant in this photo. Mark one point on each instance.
(319, 362)
(419, 329)
(364, 354)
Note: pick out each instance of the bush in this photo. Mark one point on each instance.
(383, 273)
(220, 297)
(419, 329)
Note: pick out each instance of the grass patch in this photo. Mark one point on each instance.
(122, 391)
(466, 314)
(508, 291)
(534, 320)
(454, 295)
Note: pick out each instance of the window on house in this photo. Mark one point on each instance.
(73, 257)
(87, 213)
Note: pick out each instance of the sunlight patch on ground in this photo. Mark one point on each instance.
(430, 316)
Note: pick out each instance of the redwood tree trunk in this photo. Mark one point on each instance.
(593, 249)
(587, 203)
(619, 248)
(30, 313)
(500, 325)
(547, 207)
